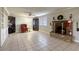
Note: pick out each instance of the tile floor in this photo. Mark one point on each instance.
(36, 41)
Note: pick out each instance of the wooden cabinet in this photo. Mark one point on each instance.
(24, 28)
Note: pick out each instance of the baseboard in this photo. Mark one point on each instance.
(76, 41)
(44, 31)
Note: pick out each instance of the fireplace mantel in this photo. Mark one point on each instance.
(65, 25)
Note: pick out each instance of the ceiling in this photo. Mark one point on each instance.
(32, 11)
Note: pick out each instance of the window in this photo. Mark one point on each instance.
(43, 21)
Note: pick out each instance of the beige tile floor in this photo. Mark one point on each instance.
(36, 41)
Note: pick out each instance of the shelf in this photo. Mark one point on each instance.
(59, 20)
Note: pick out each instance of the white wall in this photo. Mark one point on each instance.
(0, 26)
(66, 13)
(23, 20)
(3, 25)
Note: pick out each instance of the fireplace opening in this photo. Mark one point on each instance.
(59, 30)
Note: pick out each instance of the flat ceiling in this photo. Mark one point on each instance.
(34, 11)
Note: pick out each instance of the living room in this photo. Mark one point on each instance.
(45, 17)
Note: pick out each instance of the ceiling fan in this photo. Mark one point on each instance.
(29, 13)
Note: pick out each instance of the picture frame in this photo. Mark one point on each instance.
(53, 18)
(77, 27)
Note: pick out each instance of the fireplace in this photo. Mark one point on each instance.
(58, 28)
(62, 27)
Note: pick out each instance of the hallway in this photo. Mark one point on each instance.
(36, 41)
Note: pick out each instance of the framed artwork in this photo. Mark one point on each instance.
(53, 18)
(77, 26)
(70, 16)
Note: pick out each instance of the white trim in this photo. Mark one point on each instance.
(76, 41)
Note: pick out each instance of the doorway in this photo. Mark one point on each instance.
(36, 24)
(11, 24)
